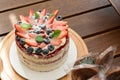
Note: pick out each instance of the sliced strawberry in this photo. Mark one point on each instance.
(63, 34)
(49, 26)
(59, 23)
(24, 19)
(22, 35)
(51, 20)
(31, 13)
(55, 13)
(32, 35)
(43, 13)
(18, 28)
(56, 42)
(42, 45)
(31, 42)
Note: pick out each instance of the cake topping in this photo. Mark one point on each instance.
(41, 31)
(45, 51)
(38, 51)
(59, 17)
(39, 39)
(22, 42)
(51, 47)
(29, 50)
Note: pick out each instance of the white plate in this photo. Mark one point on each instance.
(51, 75)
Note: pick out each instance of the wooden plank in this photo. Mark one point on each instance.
(95, 21)
(101, 42)
(116, 5)
(8, 4)
(66, 8)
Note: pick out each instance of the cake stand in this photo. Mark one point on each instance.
(8, 73)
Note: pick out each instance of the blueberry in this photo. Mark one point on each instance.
(46, 40)
(45, 51)
(51, 47)
(50, 35)
(19, 22)
(31, 31)
(37, 31)
(48, 31)
(48, 14)
(59, 17)
(29, 50)
(45, 18)
(22, 42)
(43, 26)
(38, 51)
(17, 38)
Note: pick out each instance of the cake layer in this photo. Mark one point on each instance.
(44, 64)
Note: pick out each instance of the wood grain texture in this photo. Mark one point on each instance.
(116, 5)
(95, 21)
(5, 48)
(9, 4)
(99, 43)
(66, 8)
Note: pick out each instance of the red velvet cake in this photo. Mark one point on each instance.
(42, 40)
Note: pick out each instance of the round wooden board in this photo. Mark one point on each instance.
(9, 74)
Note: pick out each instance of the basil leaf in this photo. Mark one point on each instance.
(56, 33)
(36, 15)
(39, 39)
(25, 25)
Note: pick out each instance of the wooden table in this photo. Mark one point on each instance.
(96, 21)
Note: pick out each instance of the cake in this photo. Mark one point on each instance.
(42, 40)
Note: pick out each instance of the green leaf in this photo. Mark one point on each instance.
(56, 33)
(39, 39)
(36, 15)
(25, 25)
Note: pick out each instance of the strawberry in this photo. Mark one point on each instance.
(49, 26)
(42, 45)
(55, 13)
(50, 21)
(63, 34)
(56, 42)
(18, 28)
(43, 13)
(31, 42)
(22, 35)
(24, 19)
(32, 35)
(31, 13)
